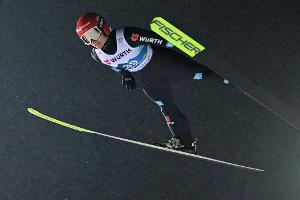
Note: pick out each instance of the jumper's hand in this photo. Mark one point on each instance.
(128, 80)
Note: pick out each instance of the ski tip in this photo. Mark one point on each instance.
(32, 111)
(35, 112)
(157, 18)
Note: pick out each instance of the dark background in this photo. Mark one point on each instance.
(45, 66)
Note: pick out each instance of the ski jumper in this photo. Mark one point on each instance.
(139, 52)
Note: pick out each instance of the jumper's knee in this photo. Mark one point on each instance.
(159, 103)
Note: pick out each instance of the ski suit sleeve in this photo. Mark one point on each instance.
(138, 36)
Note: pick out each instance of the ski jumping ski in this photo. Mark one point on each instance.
(83, 130)
(192, 48)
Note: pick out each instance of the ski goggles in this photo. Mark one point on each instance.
(90, 35)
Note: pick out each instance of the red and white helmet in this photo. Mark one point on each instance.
(91, 26)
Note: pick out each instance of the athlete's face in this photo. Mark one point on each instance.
(98, 44)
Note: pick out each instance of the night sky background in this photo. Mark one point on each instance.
(45, 66)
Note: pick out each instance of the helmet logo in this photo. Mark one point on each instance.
(135, 37)
(82, 27)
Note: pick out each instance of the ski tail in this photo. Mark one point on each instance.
(266, 99)
(77, 128)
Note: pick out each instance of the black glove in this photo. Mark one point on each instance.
(128, 80)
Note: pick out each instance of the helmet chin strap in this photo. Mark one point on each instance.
(105, 43)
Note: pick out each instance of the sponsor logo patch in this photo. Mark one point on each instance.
(121, 55)
(150, 40)
(136, 37)
(176, 37)
(118, 57)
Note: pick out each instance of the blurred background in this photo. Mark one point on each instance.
(45, 66)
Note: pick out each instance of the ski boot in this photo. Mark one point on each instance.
(175, 144)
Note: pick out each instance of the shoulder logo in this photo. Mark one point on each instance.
(135, 37)
(107, 62)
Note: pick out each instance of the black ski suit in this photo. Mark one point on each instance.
(156, 78)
